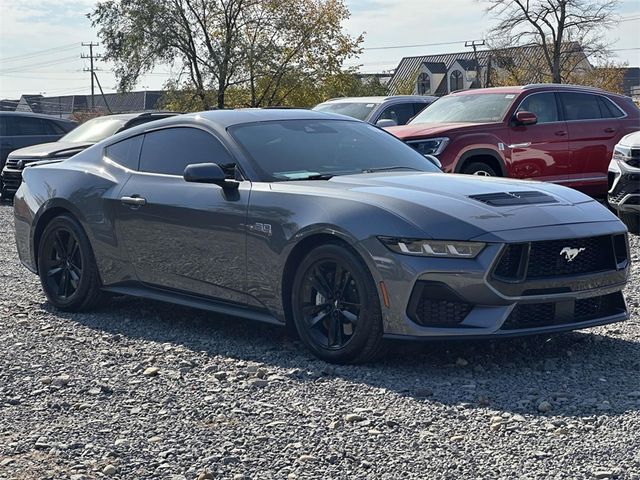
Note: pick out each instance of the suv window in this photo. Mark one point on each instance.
(580, 106)
(126, 152)
(22, 126)
(52, 128)
(169, 151)
(544, 105)
(418, 107)
(400, 113)
(608, 109)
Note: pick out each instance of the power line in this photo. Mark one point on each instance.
(48, 51)
(46, 63)
(390, 47)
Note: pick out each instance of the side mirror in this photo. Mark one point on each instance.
(208, 173)
(526, 118)
(434, 160)
(386, 122)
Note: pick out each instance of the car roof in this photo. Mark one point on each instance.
(381, 99)
(34, 115)
(517, 89)
(227, 118)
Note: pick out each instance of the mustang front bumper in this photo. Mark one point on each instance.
(521, 286)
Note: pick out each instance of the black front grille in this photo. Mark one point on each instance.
(11, 182)
(556, 258)
(535, 315)
(627, 185)
(634, 160)
(434, 304)
(503, 199)
(13, 162)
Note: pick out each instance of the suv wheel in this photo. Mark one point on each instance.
(336, 308)
(479, 168)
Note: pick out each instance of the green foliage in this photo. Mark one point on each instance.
(228, 52)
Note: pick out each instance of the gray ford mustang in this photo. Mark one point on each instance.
(322, 221)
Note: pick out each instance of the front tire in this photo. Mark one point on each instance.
(336, 307)
(480, 169)
(632, 221)
(67, 267)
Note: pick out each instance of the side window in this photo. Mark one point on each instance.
(52, 128)
(400, 114)
(608, 110)
(418, 107)
(170, 150)
(580, 106)
(126, 152)
(543, 105)
(23, 126)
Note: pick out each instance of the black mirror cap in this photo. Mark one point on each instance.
(208, 173)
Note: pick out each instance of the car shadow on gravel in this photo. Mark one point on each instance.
(577, 374)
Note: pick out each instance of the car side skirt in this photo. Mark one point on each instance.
(193, 301)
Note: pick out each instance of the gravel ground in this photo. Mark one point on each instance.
(142, 390)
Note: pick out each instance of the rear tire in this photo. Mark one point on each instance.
(336, 307)
(632, 221)
(480, 169)
(67, 267)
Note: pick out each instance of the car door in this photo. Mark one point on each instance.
(540, 151)
(593, 130)
(184, 236)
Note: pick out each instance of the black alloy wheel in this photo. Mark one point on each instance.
(66, 266)
(336, 306)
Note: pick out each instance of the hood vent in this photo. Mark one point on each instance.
(507, 199)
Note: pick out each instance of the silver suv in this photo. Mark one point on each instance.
(381, 111)
(624, 181)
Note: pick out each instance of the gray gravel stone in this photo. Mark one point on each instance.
(74, 400)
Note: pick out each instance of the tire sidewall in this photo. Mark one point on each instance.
(69, 223)
(369, 320)
(474, 167)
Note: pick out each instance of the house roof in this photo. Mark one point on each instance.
(435, 67)
(408, 67)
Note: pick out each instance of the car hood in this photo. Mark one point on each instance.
(50, 150)
(422, 130)
(631, 140)
(441, 205)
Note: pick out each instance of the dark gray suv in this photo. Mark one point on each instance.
(22, 129)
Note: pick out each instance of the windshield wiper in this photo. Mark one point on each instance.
(316, 176)
(383, 169)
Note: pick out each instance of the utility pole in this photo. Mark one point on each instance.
(475, 44)
(91, 58)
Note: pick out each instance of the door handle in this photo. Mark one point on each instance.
(134, 201)
(609, 130)
(560, 133)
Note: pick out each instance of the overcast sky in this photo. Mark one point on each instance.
(29, 27)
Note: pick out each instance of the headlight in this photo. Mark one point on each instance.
(433, 248)
(624, 154)
(432, 146)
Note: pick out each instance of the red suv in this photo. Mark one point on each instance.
(557, 133)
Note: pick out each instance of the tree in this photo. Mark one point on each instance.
(557, 27)
(226, 45)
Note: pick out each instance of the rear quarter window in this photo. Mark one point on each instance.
(126, 152)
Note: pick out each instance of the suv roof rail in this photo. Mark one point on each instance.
(567, 86)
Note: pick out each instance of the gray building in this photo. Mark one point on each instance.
(64, 106)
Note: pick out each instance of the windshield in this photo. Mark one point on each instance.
(473, 108)
(299, 149)
(94, 130)
(359, 110)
